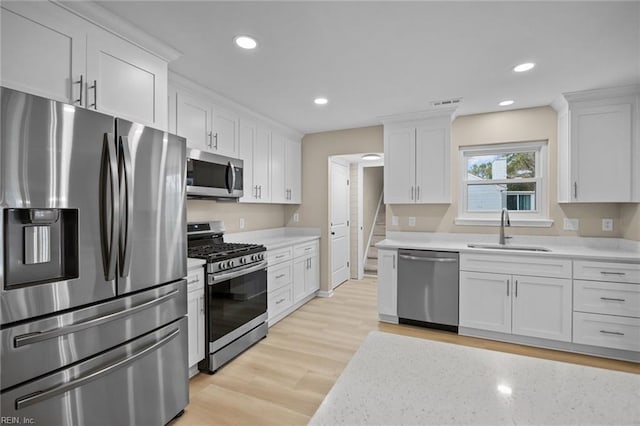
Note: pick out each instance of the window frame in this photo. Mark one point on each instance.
(535, 218)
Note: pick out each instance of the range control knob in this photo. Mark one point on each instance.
(230, 264)
(243, 260)
(221, 266)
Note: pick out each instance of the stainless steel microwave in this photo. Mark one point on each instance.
(213, 176)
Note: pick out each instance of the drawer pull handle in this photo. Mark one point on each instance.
(280, 301)
(193, 281)
(281, 256)
(279, 276)
(617, 333)
(308, 248)
(613, 273)
(613, 299)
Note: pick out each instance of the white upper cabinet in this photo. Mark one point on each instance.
(598, 146)
(206, 126)
(43, 51)
(193, 121)
(255, 152)
(53, 53)
(417, 158)
(225, 132)
(286, 170)
(125, 80)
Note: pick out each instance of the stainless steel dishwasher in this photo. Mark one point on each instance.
(428, 288)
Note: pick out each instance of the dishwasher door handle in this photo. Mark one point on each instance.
(428, 259)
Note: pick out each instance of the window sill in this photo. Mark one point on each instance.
(530, 223)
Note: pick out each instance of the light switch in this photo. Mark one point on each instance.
(607, 224)
(241, 223)
(412, 221)
(571, 224)
(296, 217)
(395, 221)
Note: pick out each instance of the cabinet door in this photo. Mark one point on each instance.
(387, 283)
(193, 121)
(598, 177)
(300, 266)
(200, 337)
(262, 164)
(193, 313)
(432, 165)
(312, 282)
(246, 154)
(278, 191)
(485, 301)
(542, 307)
(225, 132)
(399, 165)
(125, 80)
(43, 51)
(293, 171)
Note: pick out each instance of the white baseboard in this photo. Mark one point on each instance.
(325, 293)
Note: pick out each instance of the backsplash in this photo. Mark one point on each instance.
(256, 216)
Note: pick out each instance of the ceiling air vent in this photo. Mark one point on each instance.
(446, 102)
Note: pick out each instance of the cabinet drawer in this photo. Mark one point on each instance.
(279, 300)
(279, 276)
(281, 255)
(607, 331)
(607, 271)
(195, 280)
(305, 249)
(537, 266)
(606, 298)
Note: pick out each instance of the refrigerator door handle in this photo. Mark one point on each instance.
(40, 336)
(36, 397)
(125, 229)
(109, 234)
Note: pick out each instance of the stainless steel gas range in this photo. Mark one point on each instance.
(235, 294)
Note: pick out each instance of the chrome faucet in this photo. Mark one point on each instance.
(504, 221)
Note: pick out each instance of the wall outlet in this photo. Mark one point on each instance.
(412, 221)
(395, 221)
(607, 224)
(296, 217)
(241, 223)
(571, 224)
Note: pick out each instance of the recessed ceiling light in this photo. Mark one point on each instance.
(320, 101)
(505, 390)
(246, 42)
(524, 67)
(506, 103)
(371, 157)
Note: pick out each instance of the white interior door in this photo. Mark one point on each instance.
(339, 226)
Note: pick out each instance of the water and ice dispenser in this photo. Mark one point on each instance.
(40, 245)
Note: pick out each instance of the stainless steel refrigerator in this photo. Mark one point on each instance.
(92, 239)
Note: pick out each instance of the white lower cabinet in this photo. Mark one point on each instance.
(606, 304)
(388, 285)
(293, 277)
(195, 314)
(516, 304)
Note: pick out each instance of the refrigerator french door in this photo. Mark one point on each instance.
(92, 237)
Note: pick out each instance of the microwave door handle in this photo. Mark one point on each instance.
(109, 236)
(232, 184)
(125, 231)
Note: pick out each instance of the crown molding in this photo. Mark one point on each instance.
(113, 23)
(448, 113)
(608, 92)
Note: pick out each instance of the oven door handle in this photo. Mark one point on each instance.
(215, 279)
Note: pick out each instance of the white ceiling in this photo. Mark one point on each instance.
(373, 59)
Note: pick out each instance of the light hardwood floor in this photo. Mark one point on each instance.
(283, 379)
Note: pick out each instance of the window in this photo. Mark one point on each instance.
(511, 176)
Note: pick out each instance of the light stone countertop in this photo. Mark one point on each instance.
(194, 263)
(399, 380)
(276, 238)
(609, 249)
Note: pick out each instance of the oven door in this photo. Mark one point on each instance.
(236, 303)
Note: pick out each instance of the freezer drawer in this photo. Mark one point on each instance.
(38, 347)
(143, 382)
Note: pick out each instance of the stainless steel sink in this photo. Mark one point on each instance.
(507, 247)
